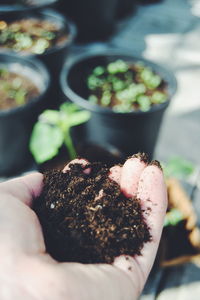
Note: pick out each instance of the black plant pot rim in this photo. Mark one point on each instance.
(33, 101)
(24, 8)
(71, 95)
(68, 24)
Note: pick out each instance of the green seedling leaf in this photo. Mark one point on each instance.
(94, 82)
(151, 80)
(98, 71)
(118, 85)
(23, 40)
(45, 142)
(20, 96)
(179, 168)
(173, 217)
(68, 108)
(40, 46)
(50, 116)
(123, 108)
(118, 66)
(78, 118)
(144, 102)
(93, 99)
(158, 97)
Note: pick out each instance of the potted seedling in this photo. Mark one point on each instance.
(95, 19)
(127, 96)
(24, 84)
(46, 35)
(181, 236)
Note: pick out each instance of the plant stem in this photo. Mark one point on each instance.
(69, 144)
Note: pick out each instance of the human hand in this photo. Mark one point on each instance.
(27, 272)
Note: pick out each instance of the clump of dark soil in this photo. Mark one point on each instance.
(86, 218)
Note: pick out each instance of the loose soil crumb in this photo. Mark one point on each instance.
(80, 225)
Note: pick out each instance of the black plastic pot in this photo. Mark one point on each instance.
(128, 132)
(146, 2)
(55, 56)
(95, 19)
(11, 6)
(16, 124)
(125, 8)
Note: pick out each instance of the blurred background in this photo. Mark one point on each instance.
(63, 73)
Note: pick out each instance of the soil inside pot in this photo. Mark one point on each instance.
(31, 35)
(126, 87)
(86, 218)
(15, 89)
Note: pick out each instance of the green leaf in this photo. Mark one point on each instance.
(69, 107)
(20, 96)
(158, 97)
(50, 116)
(173, 217)
(179, 168)
(98, 71)
(118, 66)
(45, 142)
(144, 102)
(93, 99)
(79, 117)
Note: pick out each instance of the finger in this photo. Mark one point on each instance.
(81, 161)
(115, 174)
(153, 194)
(24, 188)
(130, 175)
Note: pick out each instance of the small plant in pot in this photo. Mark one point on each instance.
(24, 85)
(47, 35)
(127, 96)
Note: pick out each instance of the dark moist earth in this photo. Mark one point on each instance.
(81, 227)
